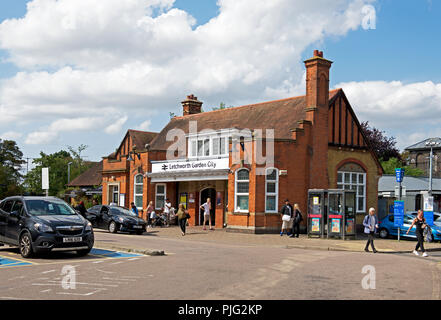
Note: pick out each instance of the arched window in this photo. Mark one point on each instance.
(271, 190)
(138, 190)
(242, 190)
(351, 176)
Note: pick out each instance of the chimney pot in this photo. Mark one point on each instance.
(316, 53)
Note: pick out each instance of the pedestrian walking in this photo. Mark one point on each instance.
(297, 218)
(207, 207)
(287, 213)
(182, 215)
(150, 211)
(370, 224)
(420, 223)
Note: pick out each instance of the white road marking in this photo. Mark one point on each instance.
(118, 262)
(15, 278)
(49, 271)
(98, 261)
(133, 259)
(46, 290)
(116, 279)
(80, 294)
(12, 298)
(104, 271)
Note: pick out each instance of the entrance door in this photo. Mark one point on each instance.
(204, 194)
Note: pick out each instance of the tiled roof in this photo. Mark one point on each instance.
(91, 177)
(141, 138)
(422, 144)
(388, 183)
(280, 115)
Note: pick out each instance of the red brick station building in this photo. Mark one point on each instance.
(317, 144)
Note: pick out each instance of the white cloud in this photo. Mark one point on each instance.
(84, 58)
(11, 135)
(411, 112)
(145, 126)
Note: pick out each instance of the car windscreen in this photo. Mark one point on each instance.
(42, 207)
(121, 211)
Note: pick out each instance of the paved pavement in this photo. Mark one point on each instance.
(222, 265)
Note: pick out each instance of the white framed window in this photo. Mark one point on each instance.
(242, 191)
(138, 186)
(355, 181)
(160, 196)
(207, 146)
(271, 190)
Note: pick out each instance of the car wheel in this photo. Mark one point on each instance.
(82, 253)
(384, 233)
(113, 227)
(25, 244)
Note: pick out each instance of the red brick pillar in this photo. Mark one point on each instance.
(219, 209)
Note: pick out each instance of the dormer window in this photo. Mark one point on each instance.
(207, 146)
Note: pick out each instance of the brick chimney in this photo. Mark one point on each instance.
(191, 105)
(317, 111)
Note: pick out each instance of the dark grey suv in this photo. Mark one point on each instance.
(43, 224)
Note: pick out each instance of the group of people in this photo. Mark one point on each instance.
(291, 218)
(371, 226)
(165, 216)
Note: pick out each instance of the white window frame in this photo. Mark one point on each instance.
(211, 139)
(134, 189)
(113, 193)
(276, 193)
(342, 184)
(160, 194)
(241, 194)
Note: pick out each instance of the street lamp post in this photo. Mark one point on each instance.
(431, 144)
(68, 172)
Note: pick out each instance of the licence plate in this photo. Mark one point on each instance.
(72, 239)
(137, 227)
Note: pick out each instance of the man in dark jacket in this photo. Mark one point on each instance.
(287, 211)
(82, 209)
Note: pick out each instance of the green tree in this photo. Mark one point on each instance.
(57, 163)
(222, 106)
(390, 165)
(11, 160)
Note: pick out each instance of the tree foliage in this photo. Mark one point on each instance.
(222, 106)
(11, 160)
(384, 147)
(390, 165)
(58, 170)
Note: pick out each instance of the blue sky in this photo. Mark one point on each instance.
(399, 56)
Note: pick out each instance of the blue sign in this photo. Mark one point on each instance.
(399, 174)
(429, 217)
(398, 213)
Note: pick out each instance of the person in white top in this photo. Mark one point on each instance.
(167, 208)
(207, 207)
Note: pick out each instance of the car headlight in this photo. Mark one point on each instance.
(43, 227)
(88, 226)
(121, 219)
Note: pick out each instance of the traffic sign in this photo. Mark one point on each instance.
(399, 174)
(398, 213)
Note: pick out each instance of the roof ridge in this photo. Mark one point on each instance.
(142, 131)
(246, 105)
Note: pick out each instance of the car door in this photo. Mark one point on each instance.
(14, 222)
(92, 214)
(4, 214)
(105, 218)
(407, 222)
(2, 221)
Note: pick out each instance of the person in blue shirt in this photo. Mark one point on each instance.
(134, 208)
(370, 223)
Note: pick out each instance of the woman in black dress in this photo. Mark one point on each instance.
(420, 223)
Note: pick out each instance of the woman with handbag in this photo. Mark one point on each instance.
(420, 223)
(287, 213)
(182, 215)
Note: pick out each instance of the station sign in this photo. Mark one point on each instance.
(190, 165)
(398, 213)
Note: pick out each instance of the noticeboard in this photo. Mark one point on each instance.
(398, 213)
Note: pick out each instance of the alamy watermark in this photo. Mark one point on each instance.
(369, 20)
(247, 146)
(369, 280)
(69, 277)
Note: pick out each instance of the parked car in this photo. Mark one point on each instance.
(43, 224)
(388, 229)
(116, 218)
